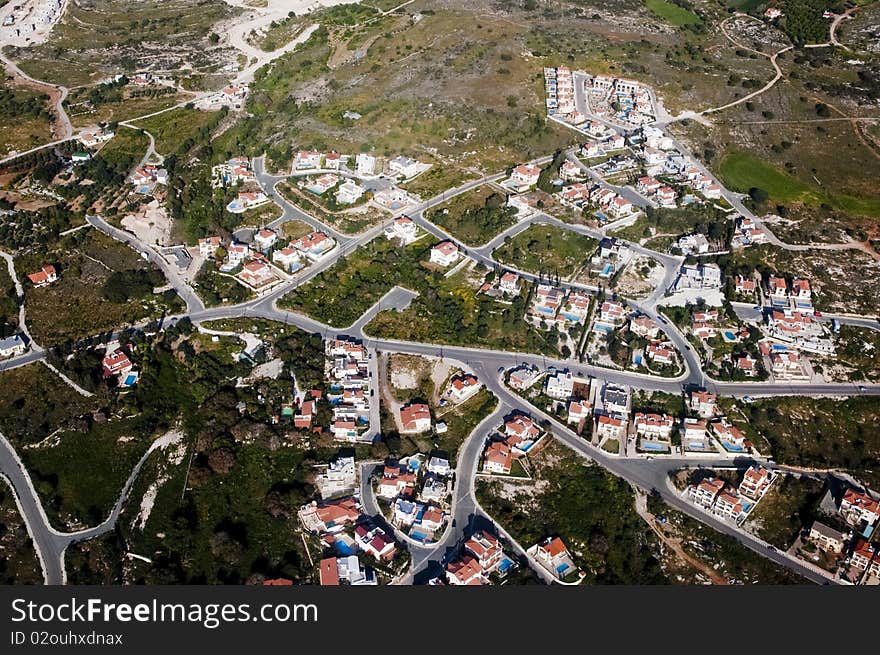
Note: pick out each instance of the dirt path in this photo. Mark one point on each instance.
(674, 544)
(385, 391)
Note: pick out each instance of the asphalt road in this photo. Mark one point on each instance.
(485, 362)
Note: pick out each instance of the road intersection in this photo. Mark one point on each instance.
(486, 363)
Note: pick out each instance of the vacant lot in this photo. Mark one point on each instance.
(35, 402)
(102, 284)
(106, 452)
(173, 128)
(475, 217)
(25, 120)
(672, 13)
(18, 559)
(95, 40)
(590, 509)
(784, 511)
(821, 433)
(548, 250)
(340, 295)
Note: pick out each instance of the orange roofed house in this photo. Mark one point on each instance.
(331, 516)
(47, 275)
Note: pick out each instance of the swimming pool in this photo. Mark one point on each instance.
(732, 447)
(730, 336)
(505, 565)
(606, 270)
(418, 536)
(601, 216)
(650, 445)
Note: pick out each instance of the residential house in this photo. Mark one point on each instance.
(703, 403)
(402, 228)
(257, 274)
(404, 512)
(612, 426)
(116, 363)
(444, 253)
(307, 160)
(330, 516)
(755, 482)
(706, 492)
(303, 419)
(332, 160)
(314, 245)
(265, 239)
(827, 538)
(747, 364)
(340, 476)
(730, 436)
(465, 571)
(728, 505)
(523, 377)
(497, 458)
(439, 466)
(525, 176)
(579, 412)
(208, 246)
(349, 193)
(46, 275)
(287, 258)
(745, 286)
(462, 387)
(661, 353)
(396, 481)
(615, 399)
(486, 549)
(553, 556)
(328, 572)
(522, 428)
(11, 346)
(509, 283)
(653, 426)
(375, 542)
(644, 326)
(365, 165)
(405, 167)
(857, 507)
(323, 183)
(236, 253)
(415, 418)
(863, 556)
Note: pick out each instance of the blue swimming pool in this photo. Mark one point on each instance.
(732, 447)
(697, 446)
(650, 445)
(418, 536)
(343, 548)
(606, 270)
(730, 336)
(562, 568)
(505, 565)
(778, 347)
(546, 310)
(601, 216)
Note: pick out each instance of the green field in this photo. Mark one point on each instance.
(547, 249)
(173, 128)
(672, 13)
(106, 452)
(476, 216)
(741, 172)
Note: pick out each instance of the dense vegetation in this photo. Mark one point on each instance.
(822, 433)
(593, 512)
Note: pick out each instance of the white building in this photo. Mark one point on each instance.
(444, 253)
